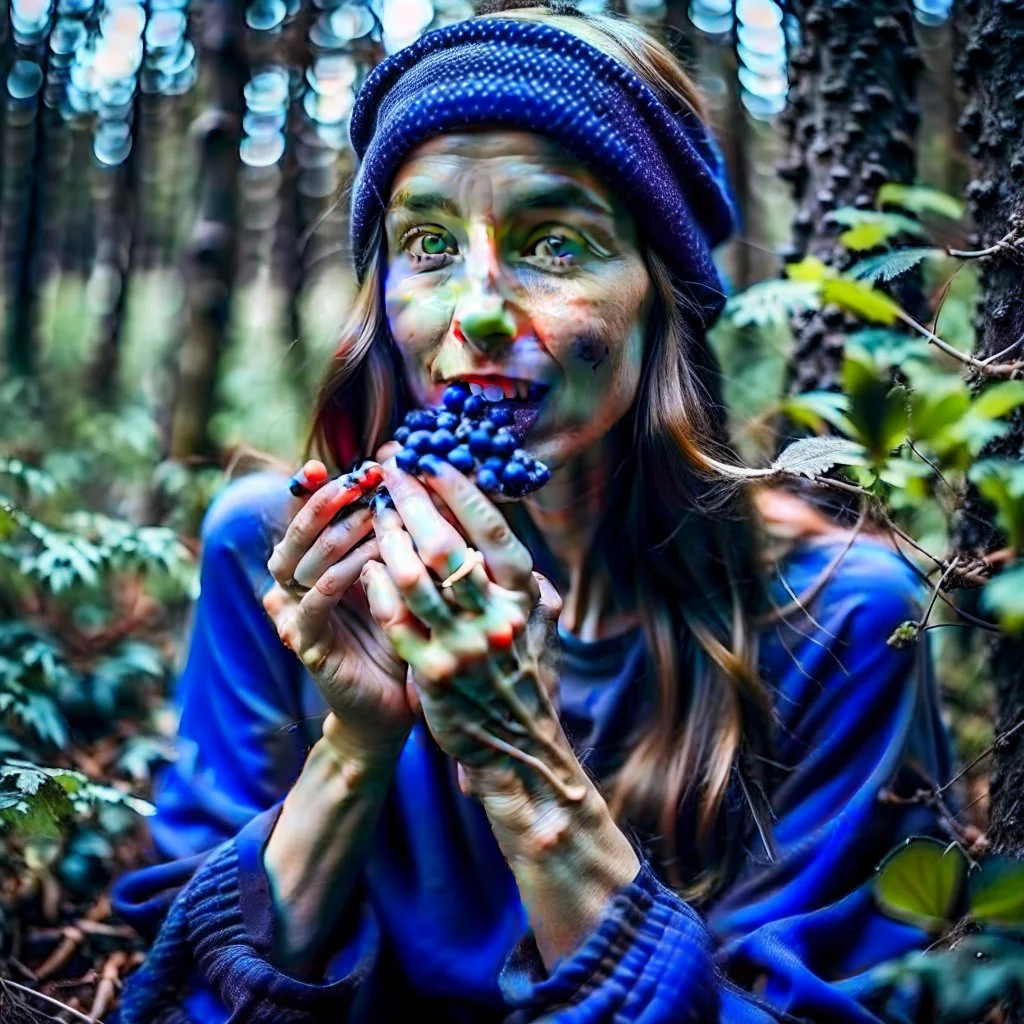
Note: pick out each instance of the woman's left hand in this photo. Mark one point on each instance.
(484, 666)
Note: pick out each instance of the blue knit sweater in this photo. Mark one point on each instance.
(436, 924)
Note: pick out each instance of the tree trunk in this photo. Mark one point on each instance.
(850, 127)
(211, 257)
(991, 73)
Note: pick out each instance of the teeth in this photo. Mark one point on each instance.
(521, 387)
(476, 388)
(493, 393)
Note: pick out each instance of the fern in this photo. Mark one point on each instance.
(772, 303)
(887, 266)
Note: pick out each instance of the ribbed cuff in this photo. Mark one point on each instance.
(229, 940)
(650, 952)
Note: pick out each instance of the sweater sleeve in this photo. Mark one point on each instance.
(792, 939)
(240, 748)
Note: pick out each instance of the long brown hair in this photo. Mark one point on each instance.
(692, 574)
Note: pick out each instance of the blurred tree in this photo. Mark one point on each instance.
(992, 75)
(211, 252)
(850, 127)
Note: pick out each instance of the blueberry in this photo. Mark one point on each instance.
(495, 463)
(447, 421)
(442, 442)
(454, 397)
(503, 443)
(480, 443)
(487, 480)
(420, 419)
(462, 459)
(407, 460)
(475, 406)
(521, 455)
(463, 430)
(420, 441)
(488, 425)
(501, 416)
(514, 477)
(541, 474)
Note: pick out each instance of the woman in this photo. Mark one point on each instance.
(572, 764)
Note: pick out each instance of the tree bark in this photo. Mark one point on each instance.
(849, 127)
(990, 71)
(211, 256)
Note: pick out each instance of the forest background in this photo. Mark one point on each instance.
(173, 273)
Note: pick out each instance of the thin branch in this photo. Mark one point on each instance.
(997, 742)
(53, 1002)
(981, 365)
(935, 469)
(923, 621)
(1009, 241)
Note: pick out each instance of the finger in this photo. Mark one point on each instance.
(438, 543)
(318, 602)
(333, 544)
(391, 613)
(407, 571)
(508, 560)
(549, 604)
(310, 477)
(386, 451)
(315, 514)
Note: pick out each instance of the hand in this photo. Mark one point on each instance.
(483, 654)
(322, 616)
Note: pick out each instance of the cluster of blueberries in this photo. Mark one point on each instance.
(471, 434)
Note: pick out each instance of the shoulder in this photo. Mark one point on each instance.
(867, 584)
(830, 652)
(246, 515)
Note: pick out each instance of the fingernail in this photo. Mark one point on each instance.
(382, 502)
(430, 464)
(297, 486)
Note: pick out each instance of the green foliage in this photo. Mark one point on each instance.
(65, 570)
(887, 266)
(929, 884)
(920, 199)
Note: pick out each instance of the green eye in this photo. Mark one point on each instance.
(434, 245)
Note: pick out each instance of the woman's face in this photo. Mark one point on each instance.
(507, 258)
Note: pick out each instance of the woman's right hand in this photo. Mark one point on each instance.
(329, 625)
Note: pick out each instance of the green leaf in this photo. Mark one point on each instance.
(894, 223)
(920, 199)
(893, 346)
(936, 408)
(995, 893)
(861, 300)
(1002, 483)
(814, 409)
(772, 303)
(810, 269)
(877, 412)
(1004, 598)
(999, 399)
(887, 266)
(865, 236)
(812, 456)
(920, 883)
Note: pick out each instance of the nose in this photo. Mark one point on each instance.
(483, 317)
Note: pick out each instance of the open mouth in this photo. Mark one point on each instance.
(522, 400)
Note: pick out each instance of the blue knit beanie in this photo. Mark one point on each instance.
(663, 165)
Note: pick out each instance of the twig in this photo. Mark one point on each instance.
(1008, 241)
(74, 936)
(923, 621)
(997, 742)
(63, 1007)
(935, 469)
(982, 365)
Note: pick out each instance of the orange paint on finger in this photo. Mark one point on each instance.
(501, 637)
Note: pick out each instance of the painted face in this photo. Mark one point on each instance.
(506, 256)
